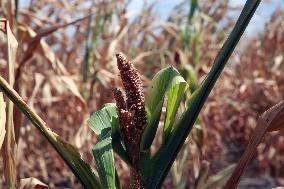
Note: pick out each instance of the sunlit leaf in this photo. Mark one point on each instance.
(175, 95)
(190, 75)
(167, 81)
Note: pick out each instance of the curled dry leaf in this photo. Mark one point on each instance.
(270, 120)
(32, 183)
(274, 117)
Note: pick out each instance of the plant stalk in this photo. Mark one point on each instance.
(89, 181)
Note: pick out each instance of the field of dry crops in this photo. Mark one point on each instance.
(65, 70)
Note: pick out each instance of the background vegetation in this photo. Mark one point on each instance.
(68, 70)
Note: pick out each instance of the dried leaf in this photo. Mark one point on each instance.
(220, 178)
(270, 120)
(8, 8)
(47, 31)
(203, 173)
(274, 117)
(2, 119)
(32, 183)
(39, 78)
(8, 151)
(36, 41)
(65, 83)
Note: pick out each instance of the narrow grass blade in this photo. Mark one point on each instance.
(16, 9)
(220, 178)
(271, 120)
(97, 28)
(166, 156)
(188, 30)
(168, 82)
(67, 152)
(193, 7)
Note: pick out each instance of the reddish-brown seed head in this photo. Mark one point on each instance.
(132, 114)
(119, 99)
(134, 100)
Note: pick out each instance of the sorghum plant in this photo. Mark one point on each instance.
(129, 127)
(132, 115)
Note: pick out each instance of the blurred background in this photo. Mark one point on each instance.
(68, 72)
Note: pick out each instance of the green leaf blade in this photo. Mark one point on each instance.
(101, 121)
(106, 125)
(162, 83)
(175, 95)
(104, 159)
(104, 121)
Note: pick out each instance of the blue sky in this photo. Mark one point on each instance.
(164, 7)
(262, 16)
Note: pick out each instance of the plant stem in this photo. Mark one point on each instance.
(78, 166)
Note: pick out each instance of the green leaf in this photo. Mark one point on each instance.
(104, 159)
(104, 121)
(175, 95)
(167, 79)
(105, 124)
(193, 7)
(190, 76)
(167, 153)
(101, 121)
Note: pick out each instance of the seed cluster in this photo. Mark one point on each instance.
(132, 114)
